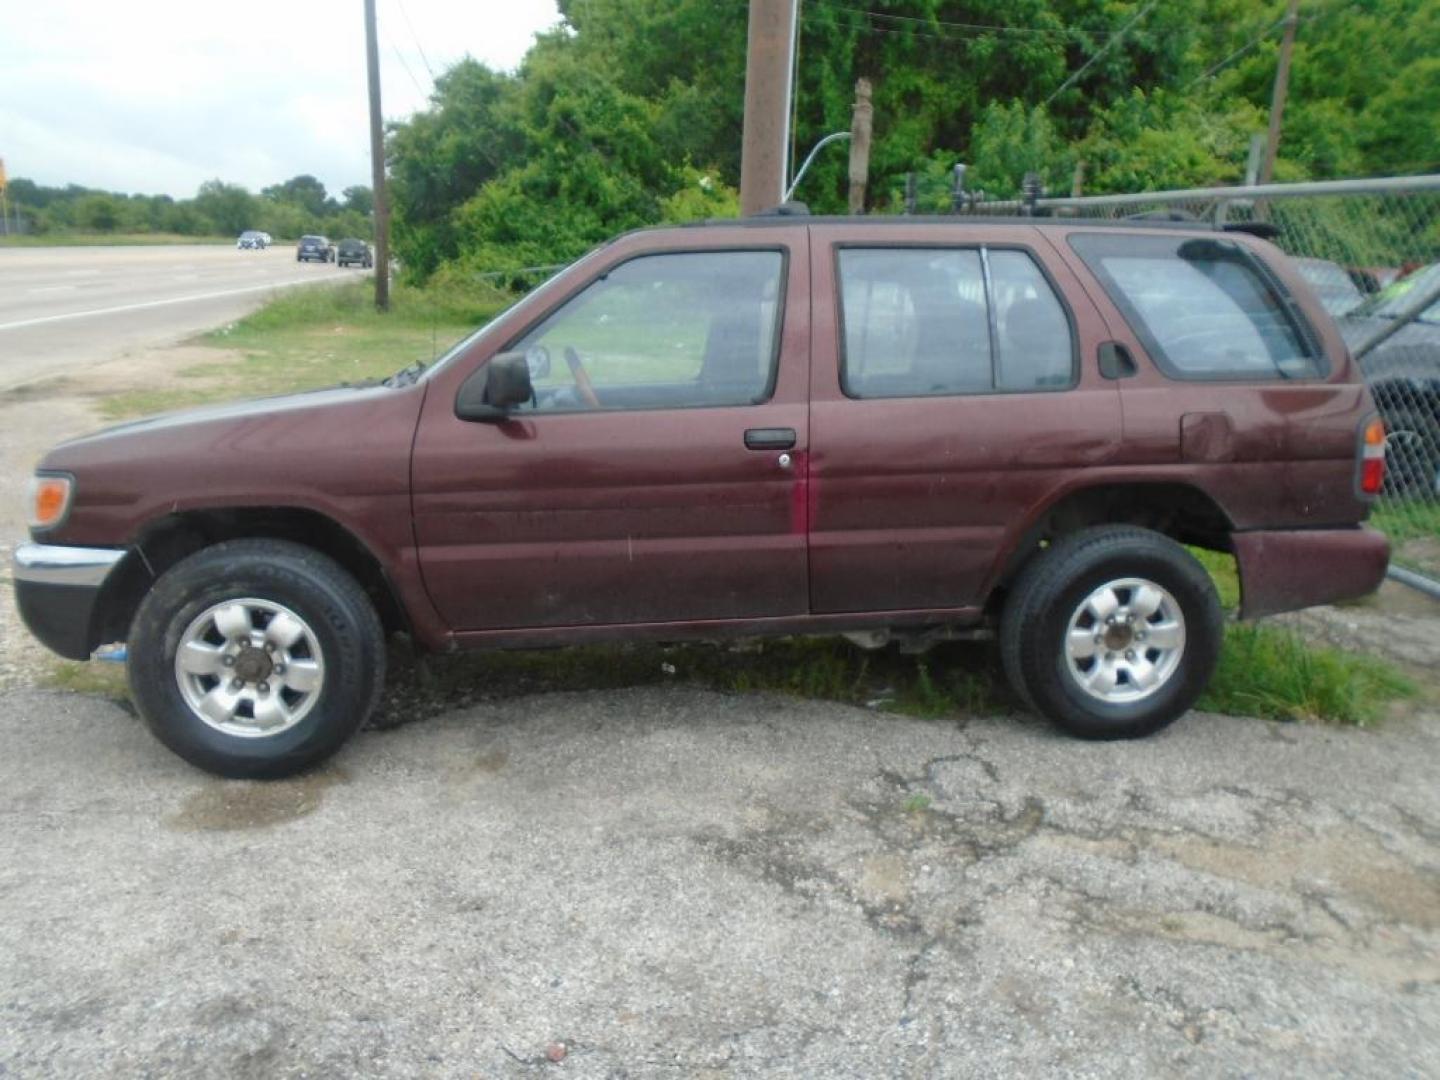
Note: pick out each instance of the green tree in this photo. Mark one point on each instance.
(229, 208)
(359, 199)
(303, 191)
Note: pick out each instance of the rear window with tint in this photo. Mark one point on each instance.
(1204, 308)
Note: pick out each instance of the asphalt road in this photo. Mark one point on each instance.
(669, 882)
(62, 309)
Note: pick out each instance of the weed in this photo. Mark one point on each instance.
(917, 802)
(1269, 672)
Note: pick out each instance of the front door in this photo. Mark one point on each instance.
(657, 475)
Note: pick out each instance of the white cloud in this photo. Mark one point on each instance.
(161, 95)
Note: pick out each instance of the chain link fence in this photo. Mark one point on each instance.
(1371, 249)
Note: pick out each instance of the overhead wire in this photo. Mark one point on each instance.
(415, 38)
(1099, 53)
(1238, 52)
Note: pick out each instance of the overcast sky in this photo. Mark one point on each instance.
(157, 96)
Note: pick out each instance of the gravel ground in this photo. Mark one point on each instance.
(669, 882)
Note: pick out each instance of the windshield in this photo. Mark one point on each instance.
(1391, 301)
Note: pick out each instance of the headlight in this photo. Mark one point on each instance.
(49, 500)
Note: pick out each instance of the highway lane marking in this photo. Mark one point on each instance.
(52, 288)
(160, 303)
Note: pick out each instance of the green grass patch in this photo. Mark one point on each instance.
(1271, 673)
(93, 677)
(1224, 572)
(1413, 528)
(108, 240)
(318, 336)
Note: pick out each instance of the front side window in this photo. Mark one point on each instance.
(1203, 308)
(683, 330)
(921, 322)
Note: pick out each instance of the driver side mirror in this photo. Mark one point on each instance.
(489, 394)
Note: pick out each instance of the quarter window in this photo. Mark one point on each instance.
(683, 330)
(921, 322)
(1203, 307)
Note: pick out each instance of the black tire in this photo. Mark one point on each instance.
(1052, 588)
(320, 593)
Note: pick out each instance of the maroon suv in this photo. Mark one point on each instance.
(898, 427)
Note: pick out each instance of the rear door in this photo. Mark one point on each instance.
(658, 474)
(953, 390)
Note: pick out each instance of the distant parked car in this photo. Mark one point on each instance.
(352, 252)
(251, 240)
(314, 249)
(1404, 376)
(1332, 283)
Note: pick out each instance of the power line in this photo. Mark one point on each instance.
(972, 28)
(416, 38)
(1239, 52)
(401, 57)
(1101, 52)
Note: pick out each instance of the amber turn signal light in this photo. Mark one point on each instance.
(49, 500)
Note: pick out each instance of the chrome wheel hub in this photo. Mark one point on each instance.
(1125, 641)
(249, 667)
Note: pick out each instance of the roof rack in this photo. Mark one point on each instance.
(785, 209)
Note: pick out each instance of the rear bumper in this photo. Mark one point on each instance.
(1285, 570)
(57, 590)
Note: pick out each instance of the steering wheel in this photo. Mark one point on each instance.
(581, 377)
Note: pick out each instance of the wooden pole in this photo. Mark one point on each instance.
(377, 165)
(861, 121)
(767, 104)
(1282, 88)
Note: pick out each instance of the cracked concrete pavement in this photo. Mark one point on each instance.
(669, 882)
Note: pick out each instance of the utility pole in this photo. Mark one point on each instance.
(1282, 87)
(377, 165)
(861, 120)
(766, 136)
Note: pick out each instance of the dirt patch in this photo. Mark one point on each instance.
(1344, 863)
(230, 805)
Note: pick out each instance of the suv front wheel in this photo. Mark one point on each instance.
(256, 658)
(1112, 632)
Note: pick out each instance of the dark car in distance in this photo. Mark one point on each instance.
(894, 428)
(1403, 372)
(314, 249)
(353, 252)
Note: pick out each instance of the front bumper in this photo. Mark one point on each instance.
(1285, 570)
(57, 590)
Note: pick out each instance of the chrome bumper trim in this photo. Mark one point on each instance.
(50, 564)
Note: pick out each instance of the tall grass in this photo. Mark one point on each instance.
(1272, 673)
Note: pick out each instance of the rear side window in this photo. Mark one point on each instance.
(920, 322)
(1204, 309)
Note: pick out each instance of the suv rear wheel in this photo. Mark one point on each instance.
(1112, 632)
(256, 658)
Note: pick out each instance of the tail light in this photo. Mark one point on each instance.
(1372, 456)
